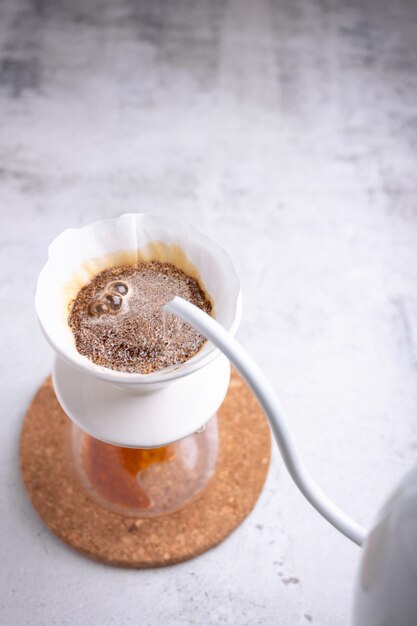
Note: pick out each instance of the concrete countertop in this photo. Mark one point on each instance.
(287, 131)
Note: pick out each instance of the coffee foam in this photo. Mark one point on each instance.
(130, 332)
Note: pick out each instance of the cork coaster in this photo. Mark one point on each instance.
(67, 510)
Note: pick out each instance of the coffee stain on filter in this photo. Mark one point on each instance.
(154, 251)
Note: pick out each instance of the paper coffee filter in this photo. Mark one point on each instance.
(77, 255)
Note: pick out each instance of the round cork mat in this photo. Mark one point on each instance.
(64, 506)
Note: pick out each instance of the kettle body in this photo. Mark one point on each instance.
(386, 586)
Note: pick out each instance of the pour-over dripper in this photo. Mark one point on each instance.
(77, 255)
(130, 409)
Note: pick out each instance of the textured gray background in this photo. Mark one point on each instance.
(286, 130)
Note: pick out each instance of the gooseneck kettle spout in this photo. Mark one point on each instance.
(268, 399)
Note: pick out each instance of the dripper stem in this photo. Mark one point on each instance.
(266, 395)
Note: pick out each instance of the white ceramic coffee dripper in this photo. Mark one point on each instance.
(126, 409)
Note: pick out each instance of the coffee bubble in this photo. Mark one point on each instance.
(97, 308)
(118, 287)
(112, 301)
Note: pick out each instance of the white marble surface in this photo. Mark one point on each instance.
(286, 130)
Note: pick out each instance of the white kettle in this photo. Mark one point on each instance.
(386, 588)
